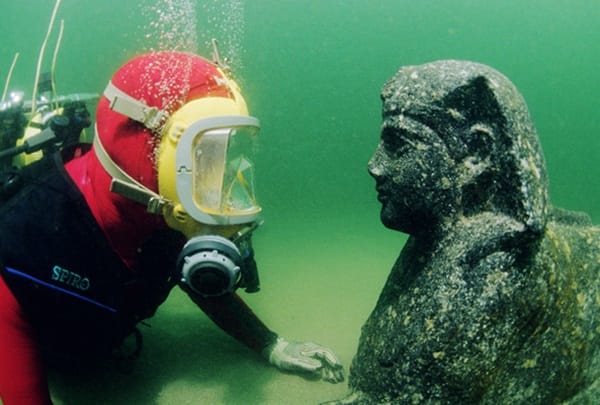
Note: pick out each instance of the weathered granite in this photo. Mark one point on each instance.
(495, 296)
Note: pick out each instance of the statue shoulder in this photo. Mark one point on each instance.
(484, 239)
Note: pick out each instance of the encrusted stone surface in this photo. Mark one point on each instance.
(495, 296)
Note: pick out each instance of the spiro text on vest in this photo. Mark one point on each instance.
(70, 278)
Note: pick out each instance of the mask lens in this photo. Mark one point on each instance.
(210, 152)
(223, 179)
(238, 185)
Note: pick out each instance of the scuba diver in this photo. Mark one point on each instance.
(91, 244)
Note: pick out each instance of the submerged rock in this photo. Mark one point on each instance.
(495, 296)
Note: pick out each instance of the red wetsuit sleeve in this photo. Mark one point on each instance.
(22, 374)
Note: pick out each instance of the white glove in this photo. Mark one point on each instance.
(305, 357)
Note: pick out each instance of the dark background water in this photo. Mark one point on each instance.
(311, 71)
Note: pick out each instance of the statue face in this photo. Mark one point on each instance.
(414, 176)
(456, 139)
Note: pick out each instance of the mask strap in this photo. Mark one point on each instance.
(123, 103)
(125, 185)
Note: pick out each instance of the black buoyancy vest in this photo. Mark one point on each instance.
(78, 293)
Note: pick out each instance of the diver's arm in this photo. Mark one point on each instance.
(232, 315)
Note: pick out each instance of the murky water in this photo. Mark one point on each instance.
(311, 71)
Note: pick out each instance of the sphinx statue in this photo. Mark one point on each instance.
(495, 296)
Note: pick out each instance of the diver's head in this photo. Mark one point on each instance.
(173, 132)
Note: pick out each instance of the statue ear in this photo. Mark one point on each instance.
(480, 146)
(480, 140)
(480, 115)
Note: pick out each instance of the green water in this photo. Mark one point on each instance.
(311, 70)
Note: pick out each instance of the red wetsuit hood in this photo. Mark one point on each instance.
(165, 80)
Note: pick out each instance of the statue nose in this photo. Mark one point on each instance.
(374, 166)
(375, 171)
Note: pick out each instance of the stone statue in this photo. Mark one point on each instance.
(495, 297)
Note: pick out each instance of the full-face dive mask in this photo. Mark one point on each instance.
(205, 178)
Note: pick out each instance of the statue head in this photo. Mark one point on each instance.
(456, 140)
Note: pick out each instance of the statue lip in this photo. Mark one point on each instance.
(381, 194)
(379, 187)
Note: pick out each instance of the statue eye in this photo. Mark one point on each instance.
(395, 141)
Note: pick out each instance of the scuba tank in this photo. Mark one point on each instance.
(49, 130)
(33, 130)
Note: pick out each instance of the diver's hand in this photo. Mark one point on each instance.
(305, 357)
